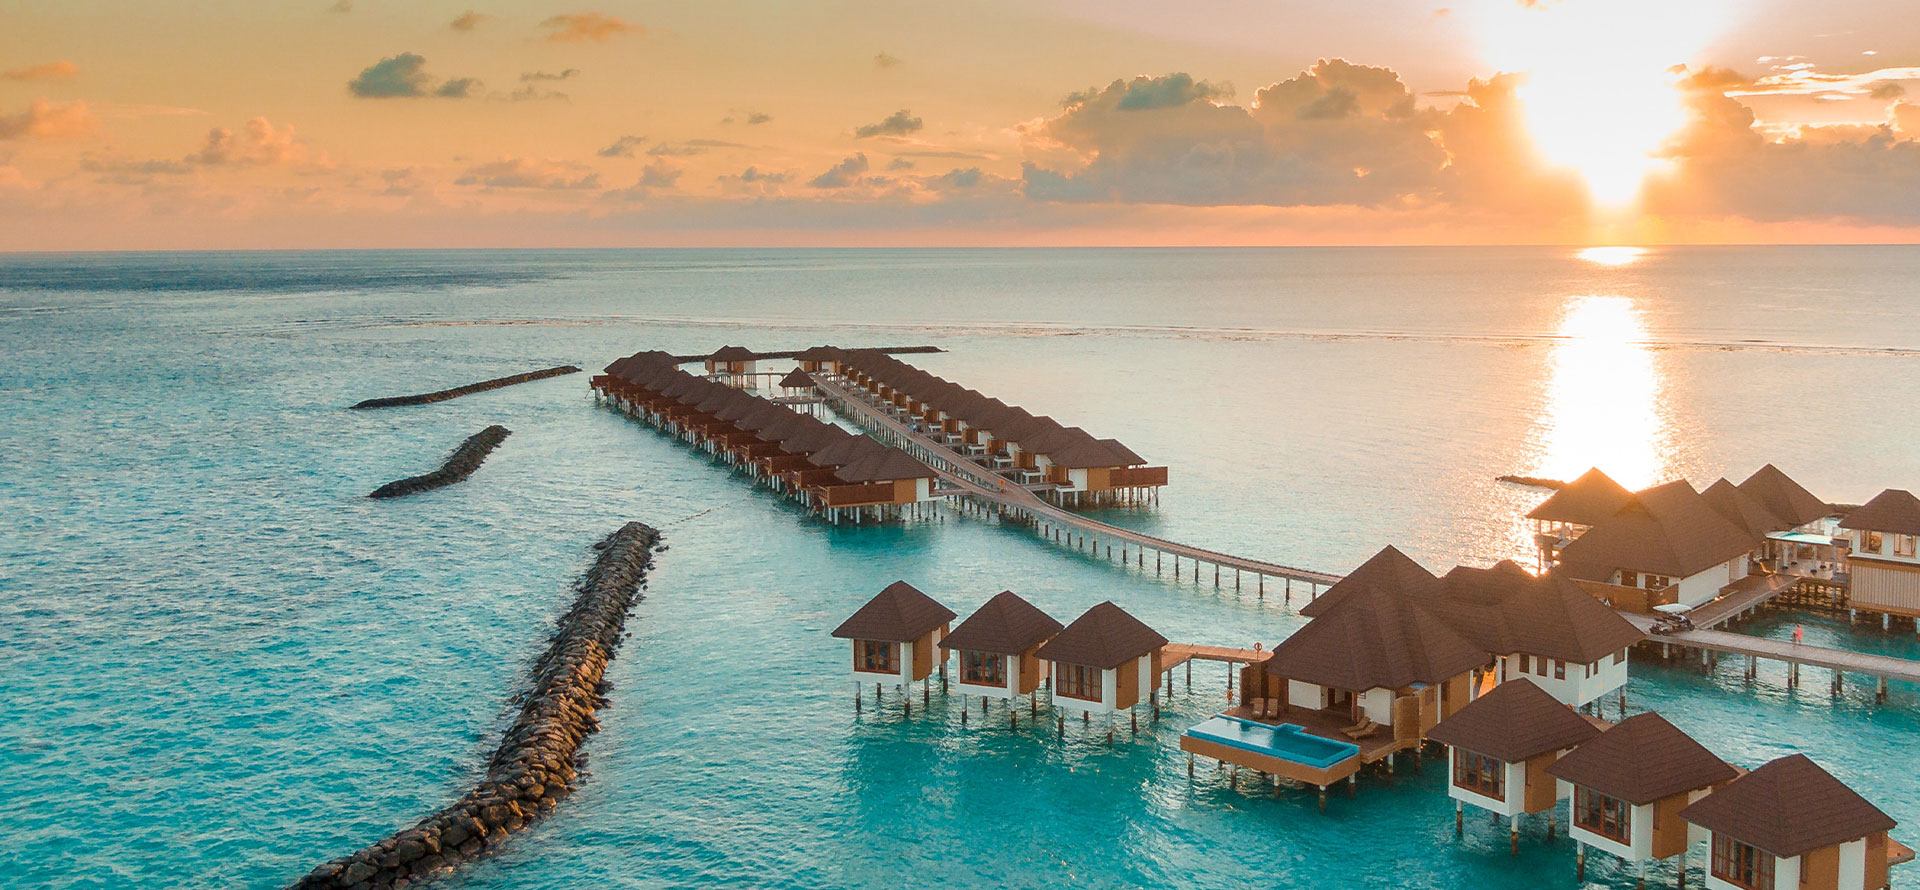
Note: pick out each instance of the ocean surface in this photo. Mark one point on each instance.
(223, 664)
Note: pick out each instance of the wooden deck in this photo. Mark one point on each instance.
(1740, 596)
(1174, 655)
(982, 485)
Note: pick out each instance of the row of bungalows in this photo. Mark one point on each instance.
(833, 472)
(1077, 467)
(1105, 662)
(1671, 544)
(1643, 791)
(1392, 650)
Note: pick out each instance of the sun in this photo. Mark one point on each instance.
(1599, 95)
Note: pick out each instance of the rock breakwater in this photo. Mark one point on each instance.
(538, 761)
(469, 389)
(461, 464)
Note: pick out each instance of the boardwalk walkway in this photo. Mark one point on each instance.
(1883, 666)
(979, 484)
(1750, 591)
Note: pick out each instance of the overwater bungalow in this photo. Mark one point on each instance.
(1629, 786)
(999, 648)
(1883, 568)
(1791, 825)
(1806, 545)
(896, 637)
(796, 381)
(1501, 745)
(1105, 662)
(819, 358)
(732, 363)
(1667, 545)
(1378, 670)
(1543, 629)
(1576, 507)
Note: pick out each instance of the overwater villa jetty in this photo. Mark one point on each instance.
(1629, 786)
(896, 640)
(1790, 825)
(1105, 662)
(1501, 745)
(998, 648)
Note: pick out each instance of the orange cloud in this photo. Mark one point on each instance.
(468, 21)
(575, 27)
(45, 120)
(530, 173)
(259, 143)
(61, 70)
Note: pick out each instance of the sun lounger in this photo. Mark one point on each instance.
(1366, 728)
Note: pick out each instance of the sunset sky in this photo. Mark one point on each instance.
(380, 123)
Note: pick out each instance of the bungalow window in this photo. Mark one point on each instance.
(1559, 670)
(873, 656)
(1870, 542)
(1655, 582)
(1741, 865)
(1903, 545)
(1629, 579)
(983, 668)
(1620, 656)
(1079, 681)
(1526, 664)
(1479, 774)
(1609, 817)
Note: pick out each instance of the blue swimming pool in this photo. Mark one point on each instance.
(1285, 741)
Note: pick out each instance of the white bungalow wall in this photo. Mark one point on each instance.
(1584, 682)
(1640, 832)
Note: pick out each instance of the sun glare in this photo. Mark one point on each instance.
(1603, 396)
(1611, 256)
(1599, 96)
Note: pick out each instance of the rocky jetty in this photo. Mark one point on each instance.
(1532, 481)
(539, 760)
(461, 464)
(469, 389)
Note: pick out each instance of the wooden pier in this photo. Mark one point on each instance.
(969, 481)
(1795, 655)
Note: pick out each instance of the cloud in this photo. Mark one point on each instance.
(623, 147)
(1886, 90)
(755, 174)
(405, 77)
(530, 173)
(393, 77)
(659, 175)
(468, 21)
(883, 60)
(757, 117)
(958, 178)
(899, 123)
(60, 70)
(582, 26)
(536, 76)
(458, 88)
(341, 7)
(900, 164)
(45, 120)
(843, 174)
(258, 143)
(1906, 118)
(533, 93)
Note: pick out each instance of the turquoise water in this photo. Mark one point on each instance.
(223, 663)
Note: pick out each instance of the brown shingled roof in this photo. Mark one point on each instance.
(797, 379)
(732, 354)
(1894, 510)
(898, 614)
(1505, 609)
(1514, 722)
(1389, 569)
(1375, 638)
(1642, 759)
(1004, 625)
(1666, 530)
(1789, 807)
(1742, 510)
(1586, 500)
(1105, 637)
(886, 465)
(1784, 497)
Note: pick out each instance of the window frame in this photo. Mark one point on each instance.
(1742, 864)
(1480, 774)
(1559, 669)
(1593, 811)
(1629, 578)
(1871, 542)
(876, 657)
(1071, 677)
(1903, 545)
(982, 668)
